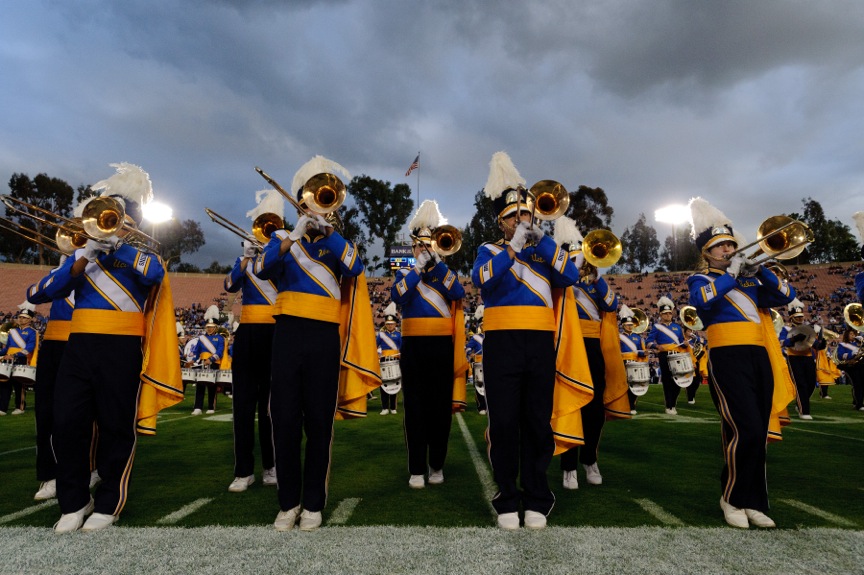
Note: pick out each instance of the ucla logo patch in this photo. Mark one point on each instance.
(322, 252)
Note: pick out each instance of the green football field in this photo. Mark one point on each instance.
(657, 507)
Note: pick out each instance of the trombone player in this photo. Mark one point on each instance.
(733, 297)
(800, 342)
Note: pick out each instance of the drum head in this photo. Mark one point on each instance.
(639, 389)
(392, 387)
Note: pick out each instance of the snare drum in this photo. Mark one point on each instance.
(224, 376)
(205, 376)
(681, 368)
(638, 376)
(479, 382)
(5, 371)
(25, 374)
(390, 370)
(392, 387)
(187, 374)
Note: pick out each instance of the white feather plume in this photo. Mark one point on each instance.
(503, 175)
(792, 305)
(704, 216)
(566, 232)
(27, 306)
(625, 311)
(478, 313)
(859, 223)
(317, 165)
(130, 182)
(390, 309)
(212, 313)
(428, 216)
(665, 301)
(268, 202)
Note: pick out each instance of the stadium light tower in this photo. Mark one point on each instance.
(674, 214)
(156, 213)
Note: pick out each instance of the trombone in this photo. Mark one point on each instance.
(641, 320)
(551, 200)
(262, 228)
(446, 240)
(602, 249)
(853, 314)
(323, 193)
(690, 318)
(779, 236)
(39, 238)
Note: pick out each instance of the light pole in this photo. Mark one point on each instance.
(156, 213)
(673, 214)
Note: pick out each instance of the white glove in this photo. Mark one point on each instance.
(535, 234)
(304, 222)
(520, 236)
(735, 265)
(250, 250)
(421, 261)
(94, 248)
(749, 269)
(322, 222)
(436, 257)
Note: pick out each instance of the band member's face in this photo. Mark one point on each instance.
(508, 224)
(628, 328)
(210, 329)
(720, 252)
(419, 248)
(666, 316)
(24, 320)
(390, 326)
(798, 319)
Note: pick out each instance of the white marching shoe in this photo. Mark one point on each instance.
(70, 522)
(196, 412)
(436, 476)
(285, 520)
(385, 412)
(48, 490)
(99, 521)
(508, 521)
(592, 474)
(759, 519)
(240, 484)
(571, 480)
(671, 411)
(269, 476)
(310, 520)
(416, 482)
(734, 516)
(534, 520)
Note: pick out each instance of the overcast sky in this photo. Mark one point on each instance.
(753, 105)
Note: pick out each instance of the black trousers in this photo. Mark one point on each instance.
(210, 389)
(250, 365)
(671, 391)
(6, 388)
(593, 414)
(742, 385)
(694, 386)
(803, 368)
(98, 383)
(519, 366)
(427, 391)
(50, 354)
(388, 400)
(303, 390)
(855, 373)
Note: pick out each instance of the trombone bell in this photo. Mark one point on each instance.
(551, 199)
(602, 248)
(854, 316)
(324, 193)
(783, 236)
(690, 318)
(446, 240)
(641, 321)
(70, 237)
(264, 226)
(102, 217)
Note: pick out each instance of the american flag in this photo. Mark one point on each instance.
(414, 165)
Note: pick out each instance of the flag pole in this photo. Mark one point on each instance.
(418, 178)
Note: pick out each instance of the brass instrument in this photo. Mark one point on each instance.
(446, 240)
(641, 320)
(63, 243)
(551, 200)
(102, 218)
(833, 355)
(778, 236)
(262, 228)
(322, 194)
(809, 337)
(853, 314)
(602, 249)
(777, 320)
(690, 318)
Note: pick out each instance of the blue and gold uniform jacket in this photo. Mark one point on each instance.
(425, 299)
(209, 346)
(591, 300)
(788, 344)
(259, 295)
(632, 347)
(60, 315)
(846, 351)
(729, 307)
(859, 286)
(665, 337)
(474, 347)
(517, 293)
(22, 344)
(308, 275)
(389, 343)
(111, 293)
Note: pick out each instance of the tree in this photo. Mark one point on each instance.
(834, 239)
(383, 210)
(641, 247)
(679, 251)
(51, 194)
(217, 268)
(589, 208)
(178, 238)
(183, 267)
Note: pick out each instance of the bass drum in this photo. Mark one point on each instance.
(638, 377)
(681, 368)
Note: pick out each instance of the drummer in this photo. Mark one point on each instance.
(632, 347)
(389, 341)
(474, 352)
(667, 337)
(799, 347)
(20, 349)
(209, 351)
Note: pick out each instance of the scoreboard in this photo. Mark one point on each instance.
(401, 257)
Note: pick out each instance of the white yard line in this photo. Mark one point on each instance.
(27, 511)
(659, 513)
(343, 511)
(17, 450)
(184, 511)
(480, 466)
(836, 519)
(799, 428)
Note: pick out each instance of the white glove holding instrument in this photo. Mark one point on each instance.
(735, 264)
(749, 269)
(250, 250)
(534, 234)
(94, 248)
(520, 237)
(304, 223)
(421, 261)
(323, 224)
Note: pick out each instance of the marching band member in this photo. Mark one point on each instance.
(389, 341)
(859, 277)
(632, 346)
(696, 344)
(209, 352)
(666, 336)
(252, 355)
(596, 303)
(516, 281)
(474, 353)
(307, 265)
(799, 353)
(22, 348)
(50, 353)
(107, 376)
(749, 383)
(848, 353)
(430, 296)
